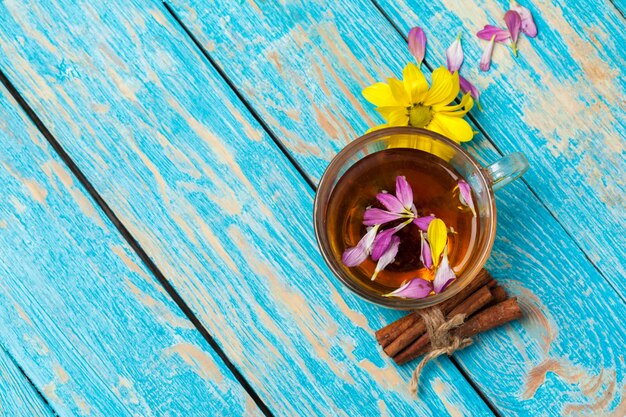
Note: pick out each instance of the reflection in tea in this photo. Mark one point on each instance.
(402, 220)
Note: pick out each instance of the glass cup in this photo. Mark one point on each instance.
(483, 180)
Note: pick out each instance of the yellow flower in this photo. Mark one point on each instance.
(411, 102)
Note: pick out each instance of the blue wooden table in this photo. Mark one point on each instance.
(158, 167)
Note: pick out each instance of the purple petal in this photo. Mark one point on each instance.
(415, 288)
(424, 222)
(374, 216)
(528, 23)
(417, 44)
(354, 256)
(388, 257)
(489, 30)
(383, 240)
(358, 254)
(485, 59)
(513, 23)
(466, 87)
(444, 275)
(425, 255)
(381, 243)
(465, 195)
(454, 55)
(390, 202)
(404, 192)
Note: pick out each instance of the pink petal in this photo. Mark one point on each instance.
(388, 257)
(444, 275)
(485, 59)
(415, 288)
(383, 240)
(513, 23)
(424, 222)
(466, 87)
(465, 195)
(454, 55)
(404, 192)
(417, 44)
(374, 216)
(390, 202)
(489, 30)
(354, 256)
(528, 23)
(358, 254)
(425, 255)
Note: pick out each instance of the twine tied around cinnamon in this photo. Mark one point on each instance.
(441, 340)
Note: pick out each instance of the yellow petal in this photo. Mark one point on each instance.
(399, 93)
(379, 94)
(444, 89)
(415, 83)
(437, 238)
(455, 128)
(388, 110)
(375, 128)
(398, 118)
(466, 104)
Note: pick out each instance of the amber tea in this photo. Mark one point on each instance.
(403, 223)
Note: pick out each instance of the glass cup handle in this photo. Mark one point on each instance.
(507, 169)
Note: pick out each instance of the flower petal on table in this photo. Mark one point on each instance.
(417, 44)
(489, 31)
(529, 28)
(485, 59)
(444, 275)
(416, 288)
(454, 55)
(468, 87)
(514, 24)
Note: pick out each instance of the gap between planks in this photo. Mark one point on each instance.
(296, 165)
(134, 244)
(19, 368)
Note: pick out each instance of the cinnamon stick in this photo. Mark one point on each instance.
(491, 317)
(482, 321)
(468, 307)
(399, 334)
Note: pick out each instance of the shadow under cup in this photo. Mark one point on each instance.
(482, 181)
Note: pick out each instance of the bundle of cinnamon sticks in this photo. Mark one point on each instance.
(485, 304)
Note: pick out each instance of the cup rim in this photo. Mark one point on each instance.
(319, 220)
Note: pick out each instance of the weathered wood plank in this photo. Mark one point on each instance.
(214, 203)
(17, 396)
(87, 322)
(302, 67)
(561, 102)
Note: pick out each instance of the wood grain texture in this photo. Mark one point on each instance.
(17, 395)
(91, 327)
(561, 102)
(215, 204)
(302, 66)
